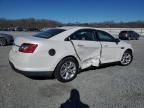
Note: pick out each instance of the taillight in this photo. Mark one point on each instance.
(27, 48)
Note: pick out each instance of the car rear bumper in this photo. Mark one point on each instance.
(30, 62)
(32, 73)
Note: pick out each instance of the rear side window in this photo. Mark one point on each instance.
(49, 33)
(122, 33)
(86, 35)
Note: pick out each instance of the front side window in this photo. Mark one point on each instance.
(104, 36)
(49, 33)
(87, 35)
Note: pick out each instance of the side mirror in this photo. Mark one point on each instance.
(68, 39)
(117, 40)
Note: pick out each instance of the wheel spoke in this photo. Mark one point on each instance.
(63, 72)
(68, 70)
(2, 42)
(66, 75)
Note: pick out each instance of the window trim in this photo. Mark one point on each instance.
(95, 38)
(46, 36)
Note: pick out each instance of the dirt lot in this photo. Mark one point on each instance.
(112, 86)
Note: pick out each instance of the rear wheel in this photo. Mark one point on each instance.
(2, 42)
(129, 38)
(126, 58)
(66, 70)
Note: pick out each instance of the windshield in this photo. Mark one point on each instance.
(49, 33)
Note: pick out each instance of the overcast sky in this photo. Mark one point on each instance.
(74, 10)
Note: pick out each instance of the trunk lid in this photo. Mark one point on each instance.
(20, 40)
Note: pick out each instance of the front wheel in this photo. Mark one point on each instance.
(126, 58)
(129, 38)
(66, 70)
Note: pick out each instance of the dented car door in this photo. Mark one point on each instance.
(110, 48)
(87, 47)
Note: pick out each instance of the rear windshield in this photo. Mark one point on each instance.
(123, 32)
(49, 33)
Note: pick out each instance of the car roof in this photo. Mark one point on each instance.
(68, 32)
(127, 31)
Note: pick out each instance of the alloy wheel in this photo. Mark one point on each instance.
(126, 59)
(68, 70)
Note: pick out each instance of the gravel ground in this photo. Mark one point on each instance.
(110, 86)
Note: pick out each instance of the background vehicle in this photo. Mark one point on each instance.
(129, 35)
(33, 29)
(6, 39)
(61, 52)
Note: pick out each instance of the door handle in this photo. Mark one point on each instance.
(106, 46)
(79, 45)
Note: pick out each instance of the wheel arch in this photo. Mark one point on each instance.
(72, 56)
(126, 49)
(130, 50)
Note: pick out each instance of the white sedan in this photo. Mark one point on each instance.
(62, 52)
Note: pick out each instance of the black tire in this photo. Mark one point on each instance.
(63, 73)
(129, 38)
(3, 42)
(126, 58)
